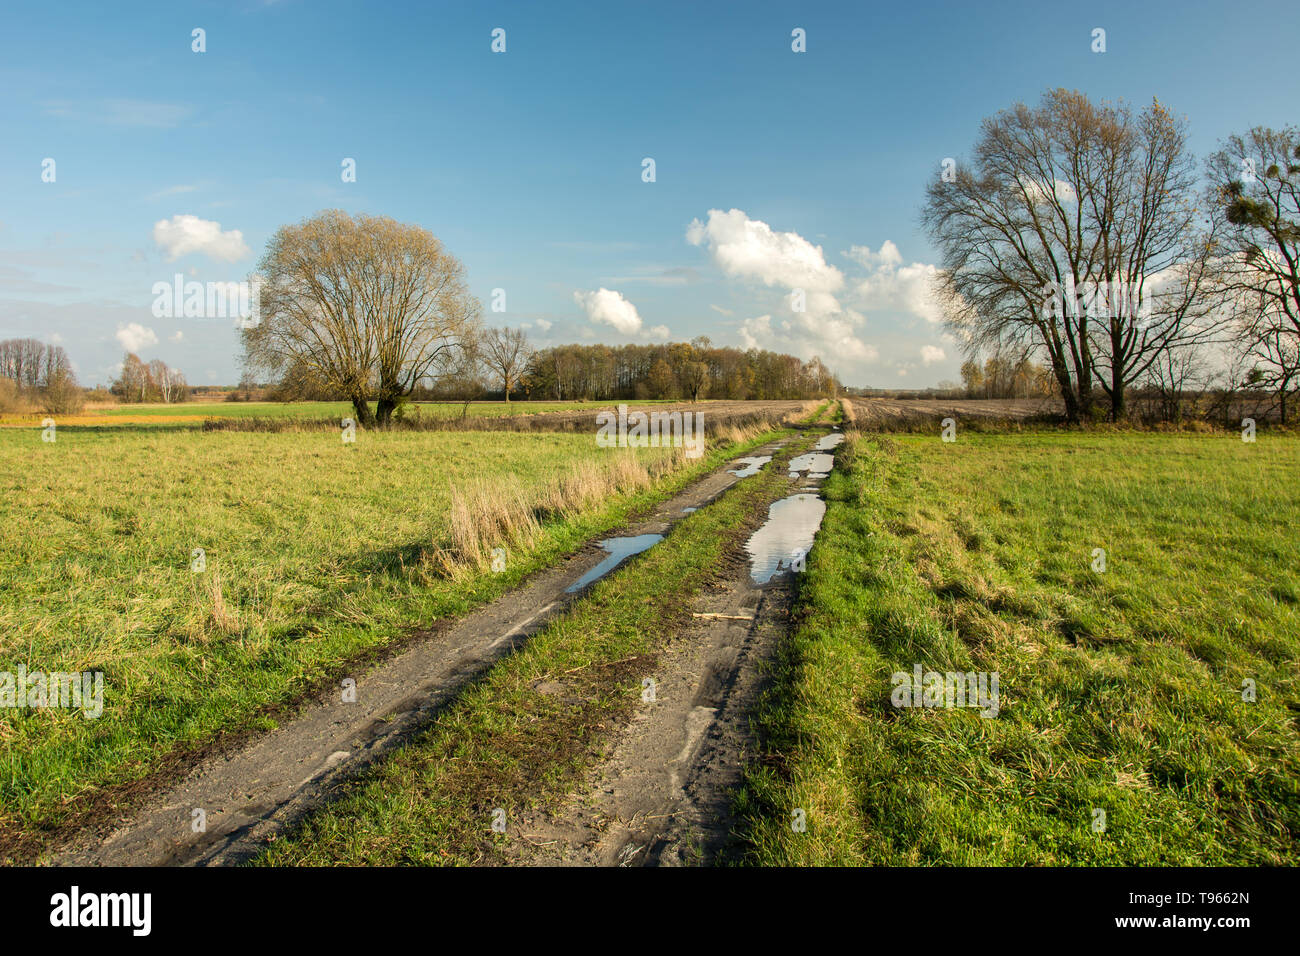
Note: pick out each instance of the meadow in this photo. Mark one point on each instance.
(1137, 595)
(1148, 696)
(178, 413)
(315, 553)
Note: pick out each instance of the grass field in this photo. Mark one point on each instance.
(191, 412)
(1120, 690)
(316, 552)
(1121, 685)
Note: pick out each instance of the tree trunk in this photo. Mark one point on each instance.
(1084, 391)
(384, 410)
(361, 408)
(1118, 398)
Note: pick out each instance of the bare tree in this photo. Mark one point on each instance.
(462, 375)
(371, 307)
(1255, 196)
(507, 353)
(1171, 377)
(1052, 234)
(21, 360)
(170, 382)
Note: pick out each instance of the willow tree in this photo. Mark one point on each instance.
(1073, 233)
(367, 306)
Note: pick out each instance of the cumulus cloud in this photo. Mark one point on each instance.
(890, 285)
(133, 336)
(609, 307)
(184, 234)
(833, 338)
(836, 304)
(745, 248)
(751, 250)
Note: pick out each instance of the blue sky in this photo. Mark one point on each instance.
(528, 163)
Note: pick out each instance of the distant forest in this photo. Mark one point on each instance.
(680, 370)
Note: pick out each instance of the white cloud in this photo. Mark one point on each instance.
(608, 306)
(184, 234)
(1037, 191)
(749, 249)
(892, 286)
(887, 258)
(544, 325)
(837, 304)
(833, 338)
(176, 336)
(745, 248)
(133, 336)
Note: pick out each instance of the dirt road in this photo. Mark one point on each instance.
(225, 810)
(663, 797)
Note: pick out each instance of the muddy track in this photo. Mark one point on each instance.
(249, 796)
(663, 796)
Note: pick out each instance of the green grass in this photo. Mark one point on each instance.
(159, 413)
(1120, 691)
(504, 744)
(315, 555)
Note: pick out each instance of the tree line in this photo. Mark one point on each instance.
(501, 364)
(680, 370)
(1088, 237)
(33, 373)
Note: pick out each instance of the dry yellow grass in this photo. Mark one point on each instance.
(488, 515)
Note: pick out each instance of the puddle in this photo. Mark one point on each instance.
(818, 464)
(687, 511)
(620, 549)
(787, 534)
(752, 465)
(827, 442)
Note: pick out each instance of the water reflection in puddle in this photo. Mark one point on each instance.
(817, 464)
(620, 549)
(785, 537)
(827, 442)
(752, 465)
